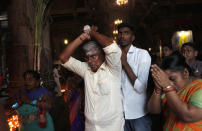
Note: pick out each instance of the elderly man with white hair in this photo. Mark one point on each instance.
(102, 76)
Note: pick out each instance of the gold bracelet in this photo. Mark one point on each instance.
(168, 87)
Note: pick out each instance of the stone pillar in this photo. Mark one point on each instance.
(21, 49)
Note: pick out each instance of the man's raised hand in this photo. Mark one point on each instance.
(84, 36)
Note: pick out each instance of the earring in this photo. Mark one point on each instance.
(186, 74)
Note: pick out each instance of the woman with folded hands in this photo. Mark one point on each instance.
(177, 94)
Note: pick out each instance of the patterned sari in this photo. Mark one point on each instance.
(191, 94)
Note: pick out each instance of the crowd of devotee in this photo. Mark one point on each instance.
(118, 87)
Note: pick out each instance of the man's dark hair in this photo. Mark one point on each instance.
(35, 74)
(126, 25)
(191, 44)
(169, 46)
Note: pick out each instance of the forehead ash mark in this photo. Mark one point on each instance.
(93, 51)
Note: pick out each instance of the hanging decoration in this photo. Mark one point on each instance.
(121, 2)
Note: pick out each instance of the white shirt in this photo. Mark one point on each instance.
(134, 96)
(103, 98)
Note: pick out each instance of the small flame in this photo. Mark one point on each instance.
(63, 90)
(13, 122)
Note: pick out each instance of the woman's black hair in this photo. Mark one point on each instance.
(35, 74)
(175, 62)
